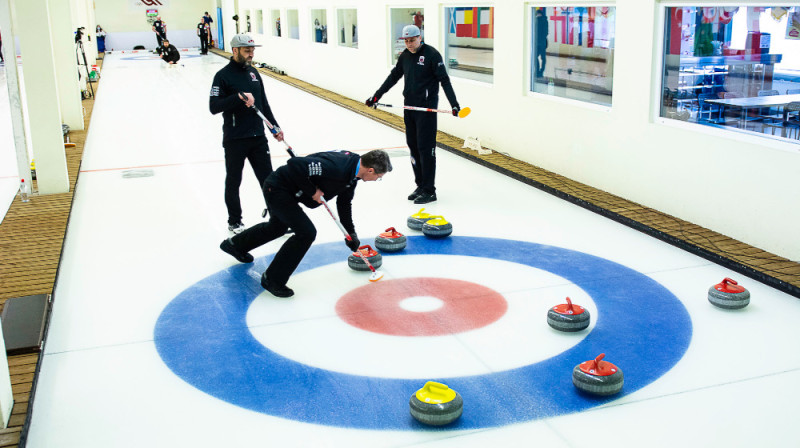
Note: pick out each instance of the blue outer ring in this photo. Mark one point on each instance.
(203, 337)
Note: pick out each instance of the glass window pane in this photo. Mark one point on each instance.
(572, 52)
(733, 67)
(260, 21)
(319, 26)
(275, 20)
(400, 17)
(294, 24)
(348, 27)
(469, 42)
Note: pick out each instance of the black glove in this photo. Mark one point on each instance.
(372, 100)
(353, 243)
(456, 110)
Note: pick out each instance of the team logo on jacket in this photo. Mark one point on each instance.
(253, 75)
(421, 60)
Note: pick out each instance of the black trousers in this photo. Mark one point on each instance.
(203, 43)
(256, 151)
(160, 38)
(284, 212)
(421, 140)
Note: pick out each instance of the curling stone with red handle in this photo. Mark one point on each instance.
(598, 377)
(729, 295)
(390, 241)
(356, 263)
(568, 317)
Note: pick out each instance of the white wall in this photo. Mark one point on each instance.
(743, 186)
(127, 26)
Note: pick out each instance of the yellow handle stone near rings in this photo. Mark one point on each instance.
(437, 220)
(436, 404)
(421, 214)
(434, 392)
(416, 220)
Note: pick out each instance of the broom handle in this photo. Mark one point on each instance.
(270, 127)
(335, 219)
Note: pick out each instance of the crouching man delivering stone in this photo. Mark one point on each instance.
(305, 180)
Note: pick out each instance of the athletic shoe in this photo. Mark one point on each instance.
(415, 194)
(237, 227)
(425, 198)
(228, 247)
(275, 290)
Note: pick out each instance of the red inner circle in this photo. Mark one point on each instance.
(376, 307)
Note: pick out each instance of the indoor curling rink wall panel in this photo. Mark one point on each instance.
(158, 338)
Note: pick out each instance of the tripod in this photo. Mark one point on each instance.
(79, 46)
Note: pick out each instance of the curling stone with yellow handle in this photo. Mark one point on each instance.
(437, 227)
(416, 220)
(436, 404)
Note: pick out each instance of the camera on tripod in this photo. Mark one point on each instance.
(79, 34)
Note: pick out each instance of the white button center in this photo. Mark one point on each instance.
(421, 304)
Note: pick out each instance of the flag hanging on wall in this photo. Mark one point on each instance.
(472, 22)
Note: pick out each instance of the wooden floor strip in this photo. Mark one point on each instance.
(31, 239)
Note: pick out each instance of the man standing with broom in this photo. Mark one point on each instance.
(423, 69)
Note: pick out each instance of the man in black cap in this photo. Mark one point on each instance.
(169, 53)
(305, 180)
(238, 87)
(424, 70)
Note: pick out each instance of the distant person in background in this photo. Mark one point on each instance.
(278, 26)
(170, 54)
(419, 22)
(160, 28)
(542, 31)
(101, 39)
(208, 21)
(202, 33)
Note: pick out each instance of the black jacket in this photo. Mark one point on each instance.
(333, 172)
(239, 121)
(171, 54)
(159, 29)
(423, 70)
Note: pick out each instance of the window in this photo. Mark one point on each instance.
(399, 18)
(319, 26)
(259, 21)
(347, 20)
(294, 24)
(572, 52)
(275, 22)
(247, 17)
(469, 42)
(733, 67)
